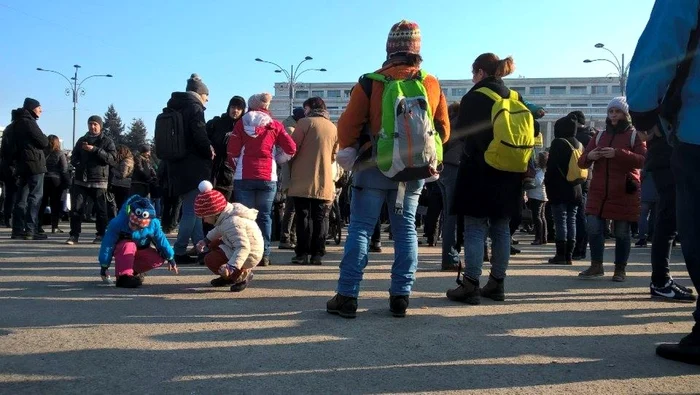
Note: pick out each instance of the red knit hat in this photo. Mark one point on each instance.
(403, 37)
(209, 202)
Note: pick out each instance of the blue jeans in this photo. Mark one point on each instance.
(564, 221)
(447, 182)
(365, 208)
(25, 215)
(190, 227)
(685, 161)
(259, 195)
(475, 231)
(596, 238)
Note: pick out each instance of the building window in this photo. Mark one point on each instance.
(615, 90)
(334, 93)
(579, 90)
(579, 105)
(316, 93)
(538, 90)
(445, 91)
(556, 105)
(519, 89)
(302, 94)
(600, 105)
(346, 93)
(557, 90)
(599, 90)
(459, 91)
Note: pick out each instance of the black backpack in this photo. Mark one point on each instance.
(170, 135)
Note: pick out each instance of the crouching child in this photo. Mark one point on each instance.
(130, 238)
(235, 244)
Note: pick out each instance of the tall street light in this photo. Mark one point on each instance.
(75, 88)
(622, 69)
(292, 76)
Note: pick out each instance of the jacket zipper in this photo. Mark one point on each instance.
(607, 179)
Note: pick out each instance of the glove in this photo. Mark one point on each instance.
(346, 158)
(172, 266)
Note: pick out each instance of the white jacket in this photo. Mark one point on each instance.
(539, 192)
(241, 238)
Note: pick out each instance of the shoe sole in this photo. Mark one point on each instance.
(398, 314)
(342, 314)
(495, 298)
(659, 298)
(474, 301)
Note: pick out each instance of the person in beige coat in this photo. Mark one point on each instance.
(235, 243)
(311, 184)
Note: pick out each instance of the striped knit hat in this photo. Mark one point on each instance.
(404, 37)
(209, 202)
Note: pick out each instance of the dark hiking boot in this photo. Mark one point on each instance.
(398, 305)
(569, 252)
(316, 260)
(36, 236)
(450, 266)
(265, 261)
(467, 292)
(494, 290)
(375, 246)
(220, 282)
(594, 271)
(343, 306)
(686, 351)
(300, 260)
(129, 282)
(560, 255)
(241, 285)
(620, 275)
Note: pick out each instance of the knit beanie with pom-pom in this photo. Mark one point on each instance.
(209, 202)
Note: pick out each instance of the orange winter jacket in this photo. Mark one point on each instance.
(362, 109)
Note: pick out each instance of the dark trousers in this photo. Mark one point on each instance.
(665, 227)
(289, 231)
(685, 162)
(79, 195)
(25, 215)
(53, 192)
(539, 221)
(10, 192)
(377, 235)
(171, 211)
(549, 216)
(581, 231)
(516, 220)
(120, 196)
(434, 209)
(312, 227)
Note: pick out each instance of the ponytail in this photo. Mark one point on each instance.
(505, 67)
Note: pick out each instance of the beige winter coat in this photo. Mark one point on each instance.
(312, 167)
(241, 238)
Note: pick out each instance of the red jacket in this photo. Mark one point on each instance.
(610, 195)
(258, 143)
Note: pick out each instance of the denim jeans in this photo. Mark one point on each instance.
(596, 237)
(475, 231)
(366, 206)
(565, 221)
(259, 195)
(190, 228)
(25, 216)
(685, 162)
(447, 182)
(646, 219)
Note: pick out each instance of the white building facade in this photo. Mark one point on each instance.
(558, 96)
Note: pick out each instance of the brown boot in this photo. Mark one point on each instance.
(620, 276)
(494, 290)
(596, 270)
(467, 292)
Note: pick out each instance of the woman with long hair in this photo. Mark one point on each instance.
(121, 175)
(56, 180)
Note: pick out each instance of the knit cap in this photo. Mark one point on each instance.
(620, 103)
(209, 202)
(97, 119)
(404, 37)
(195, 84)
(259, 101)
(30, 104)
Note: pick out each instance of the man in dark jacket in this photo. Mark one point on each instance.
(184, 175)
(30, 143)
(218, 131)
(92, 156)
(584, 136)
(7, 175)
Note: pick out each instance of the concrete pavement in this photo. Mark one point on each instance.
(62, 331)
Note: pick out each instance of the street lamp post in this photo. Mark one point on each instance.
(292, 77)
(75, 89)
(620, 66)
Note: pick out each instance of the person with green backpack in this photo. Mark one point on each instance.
(390, 136)
(500, 138)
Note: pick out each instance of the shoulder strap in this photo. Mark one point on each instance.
(633, 139)
(514, 95)
(491, 94)
(598, 137)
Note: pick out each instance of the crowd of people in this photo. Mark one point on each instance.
(474, 171)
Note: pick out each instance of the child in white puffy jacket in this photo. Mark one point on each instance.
(235, 244)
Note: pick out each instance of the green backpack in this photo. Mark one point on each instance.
(407, 147)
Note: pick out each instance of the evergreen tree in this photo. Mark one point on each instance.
(113, 126)
(137, 134)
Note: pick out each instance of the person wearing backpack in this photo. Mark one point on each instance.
(564, 195)
(188, 158)
(370, 154)
(7, 174)
(671, 34)
(615, 188)
(488, 197)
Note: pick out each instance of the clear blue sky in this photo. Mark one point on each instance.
(151, 47)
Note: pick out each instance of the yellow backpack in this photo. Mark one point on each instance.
(575, 174)
(513, 133)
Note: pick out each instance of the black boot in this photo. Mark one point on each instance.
(560, 257)
(398, 305)
(494, 290)
(570, 245)
(129, 282)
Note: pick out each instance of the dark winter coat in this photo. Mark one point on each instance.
(559, 189)
(93, 167)
(143, 177)
(121, 173)
(7, 156)
(483, 191)
(30, 143)
(57, 169)
(184, 175)
(219, 129)
(615, 187)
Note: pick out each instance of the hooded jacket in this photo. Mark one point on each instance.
(30, 143)
(241, 238)
(219, 130)
(257, 142)
(559, 189)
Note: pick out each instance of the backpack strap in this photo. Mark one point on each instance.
(514, 95)
(633, 138)
(490, 94)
